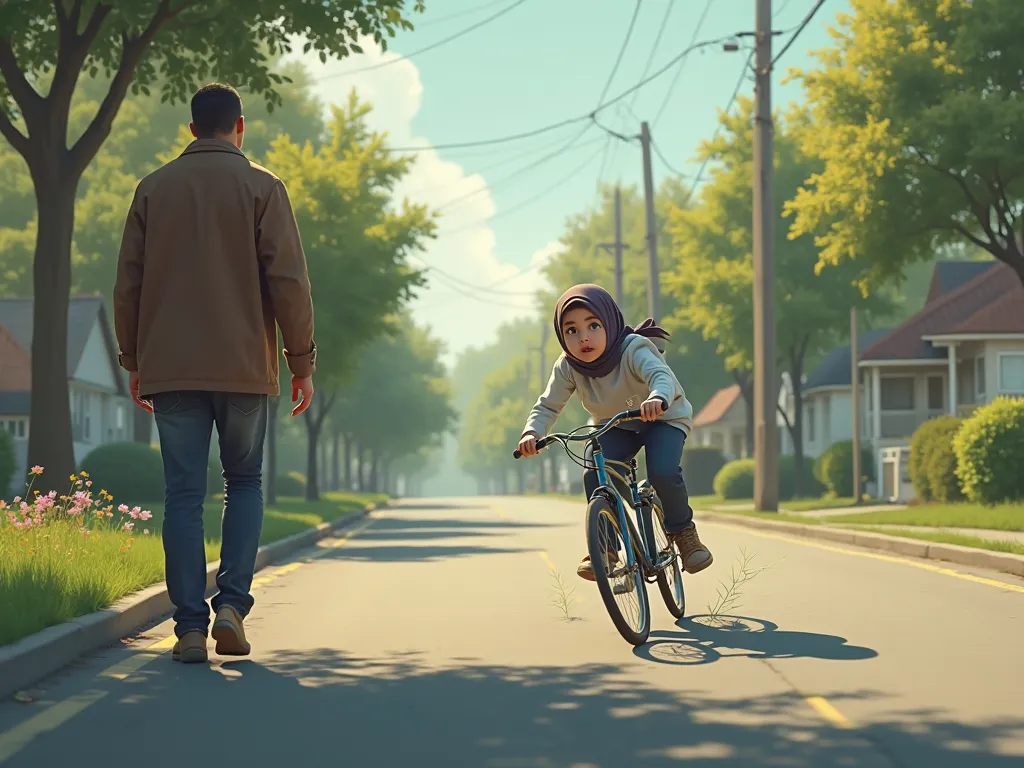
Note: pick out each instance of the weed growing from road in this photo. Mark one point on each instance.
(729, 594)
(563, 599)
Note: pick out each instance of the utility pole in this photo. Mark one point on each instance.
(653, 289)
(618, 246)
(855, 403)
(766, 443)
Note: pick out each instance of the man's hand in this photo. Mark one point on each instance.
(651, 409)
(528, 445)
(133, 387)
(303, 386)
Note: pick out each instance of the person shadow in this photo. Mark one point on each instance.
(705, 639)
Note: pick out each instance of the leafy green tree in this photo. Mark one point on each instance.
(917, 118)
(715, 275)
(138, 44)
(357, 241)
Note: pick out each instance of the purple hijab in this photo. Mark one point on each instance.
(600, 302)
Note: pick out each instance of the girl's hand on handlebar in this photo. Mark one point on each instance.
(528, 445)
(651, 409)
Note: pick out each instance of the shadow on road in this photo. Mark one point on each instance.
(320, 706)
(397, 553)
(707, 639)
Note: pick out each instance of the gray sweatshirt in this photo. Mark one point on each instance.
(642, 373)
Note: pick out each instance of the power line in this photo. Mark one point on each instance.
(682, 64)
(459, 14)
(654, 46)
(472, 286)
(800, 28)
(461, 33)
(622, 52)
(572, 120)
(661, 156)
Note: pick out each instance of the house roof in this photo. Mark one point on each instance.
(834, 370)
(83, 314)
(988, 301)
(717, 406)
(950, 275)
(15, 403)
(15, 364)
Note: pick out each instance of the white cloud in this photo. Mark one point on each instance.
(465, 247)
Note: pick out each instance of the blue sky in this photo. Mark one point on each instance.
(540, 63)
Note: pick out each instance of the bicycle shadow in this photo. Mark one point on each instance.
(706, 639)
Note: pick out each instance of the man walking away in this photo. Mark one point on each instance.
(210, 261)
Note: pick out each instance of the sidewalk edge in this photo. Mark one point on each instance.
(36, 657)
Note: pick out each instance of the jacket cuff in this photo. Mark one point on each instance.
(303, 365)
(128, 362)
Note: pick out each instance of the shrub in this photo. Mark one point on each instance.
(834, 468)
(214, 478)
(292, 484)
(932, 464)
(735, 480)
(8, 462)
(990, 452)
(700, 466)
(812, 488)
(132, 472)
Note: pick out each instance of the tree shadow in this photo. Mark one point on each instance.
(707, 639)
(397, 553)
(324, 707)
(409, 524)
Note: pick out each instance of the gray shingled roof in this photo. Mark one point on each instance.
(15, 403)
(950, 275)
(834, 370)
(83, 313)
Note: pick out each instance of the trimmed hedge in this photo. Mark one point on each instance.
(932, 464)
(735, 480)
(990, 452)
(132, 472)
(812, 488)
(8, 462)
(834, 467)
(292, 484)
(700, 466)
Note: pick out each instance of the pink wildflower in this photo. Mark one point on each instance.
(123, 509)
(129, 526)
(145, 515)
(146, 531)
(36, 470)
(134, 514)
(16, 500)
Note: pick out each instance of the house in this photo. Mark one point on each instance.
(827, 405)
(964, 348)
(101, 408)
(722, 424)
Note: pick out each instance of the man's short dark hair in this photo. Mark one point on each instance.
(215, 110)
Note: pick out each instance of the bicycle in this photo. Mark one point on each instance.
(650, 554)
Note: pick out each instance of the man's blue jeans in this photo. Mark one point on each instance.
(185, 421)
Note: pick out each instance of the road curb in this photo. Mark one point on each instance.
(928, 550)
(38, 656)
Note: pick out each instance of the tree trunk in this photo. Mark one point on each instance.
(312, 470)
(746, 384)
(270, 480)
(50, 441)
(336, 462)
(348, 462)
(375, 472)
(796, 367)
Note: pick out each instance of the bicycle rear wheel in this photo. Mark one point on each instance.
(670, 579)
(622, 588)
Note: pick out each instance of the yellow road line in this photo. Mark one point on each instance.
(547, 560)
(14, 740)
(55, 715)
(874, 556)
(828, 712)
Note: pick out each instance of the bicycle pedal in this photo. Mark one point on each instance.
(625, 587)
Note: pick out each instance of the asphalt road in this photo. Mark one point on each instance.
(430, 638)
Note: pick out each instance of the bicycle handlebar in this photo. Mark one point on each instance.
(543, 442)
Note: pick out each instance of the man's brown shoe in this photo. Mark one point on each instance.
(229, 633)
(696, 557)
(190, 648)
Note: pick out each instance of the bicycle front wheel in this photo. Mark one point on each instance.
(622, 588)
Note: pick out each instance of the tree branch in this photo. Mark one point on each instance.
(785, 417)
(16, 138)
(25, 96)
(132, 50)
(74, 48)
(982, 214)
(1005, 214)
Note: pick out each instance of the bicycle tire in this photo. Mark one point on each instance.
(670, 579)
(601, 507)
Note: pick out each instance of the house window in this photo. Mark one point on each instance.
(810, 422)
(898, 393)
(979, 377)
(1011, 372)
(936, 394)
(826, 420)
(21, 428)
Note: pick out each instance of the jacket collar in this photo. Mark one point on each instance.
(212, 145)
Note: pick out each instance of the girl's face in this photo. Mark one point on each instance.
(584, 334)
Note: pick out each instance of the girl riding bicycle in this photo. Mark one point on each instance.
(613, 367)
